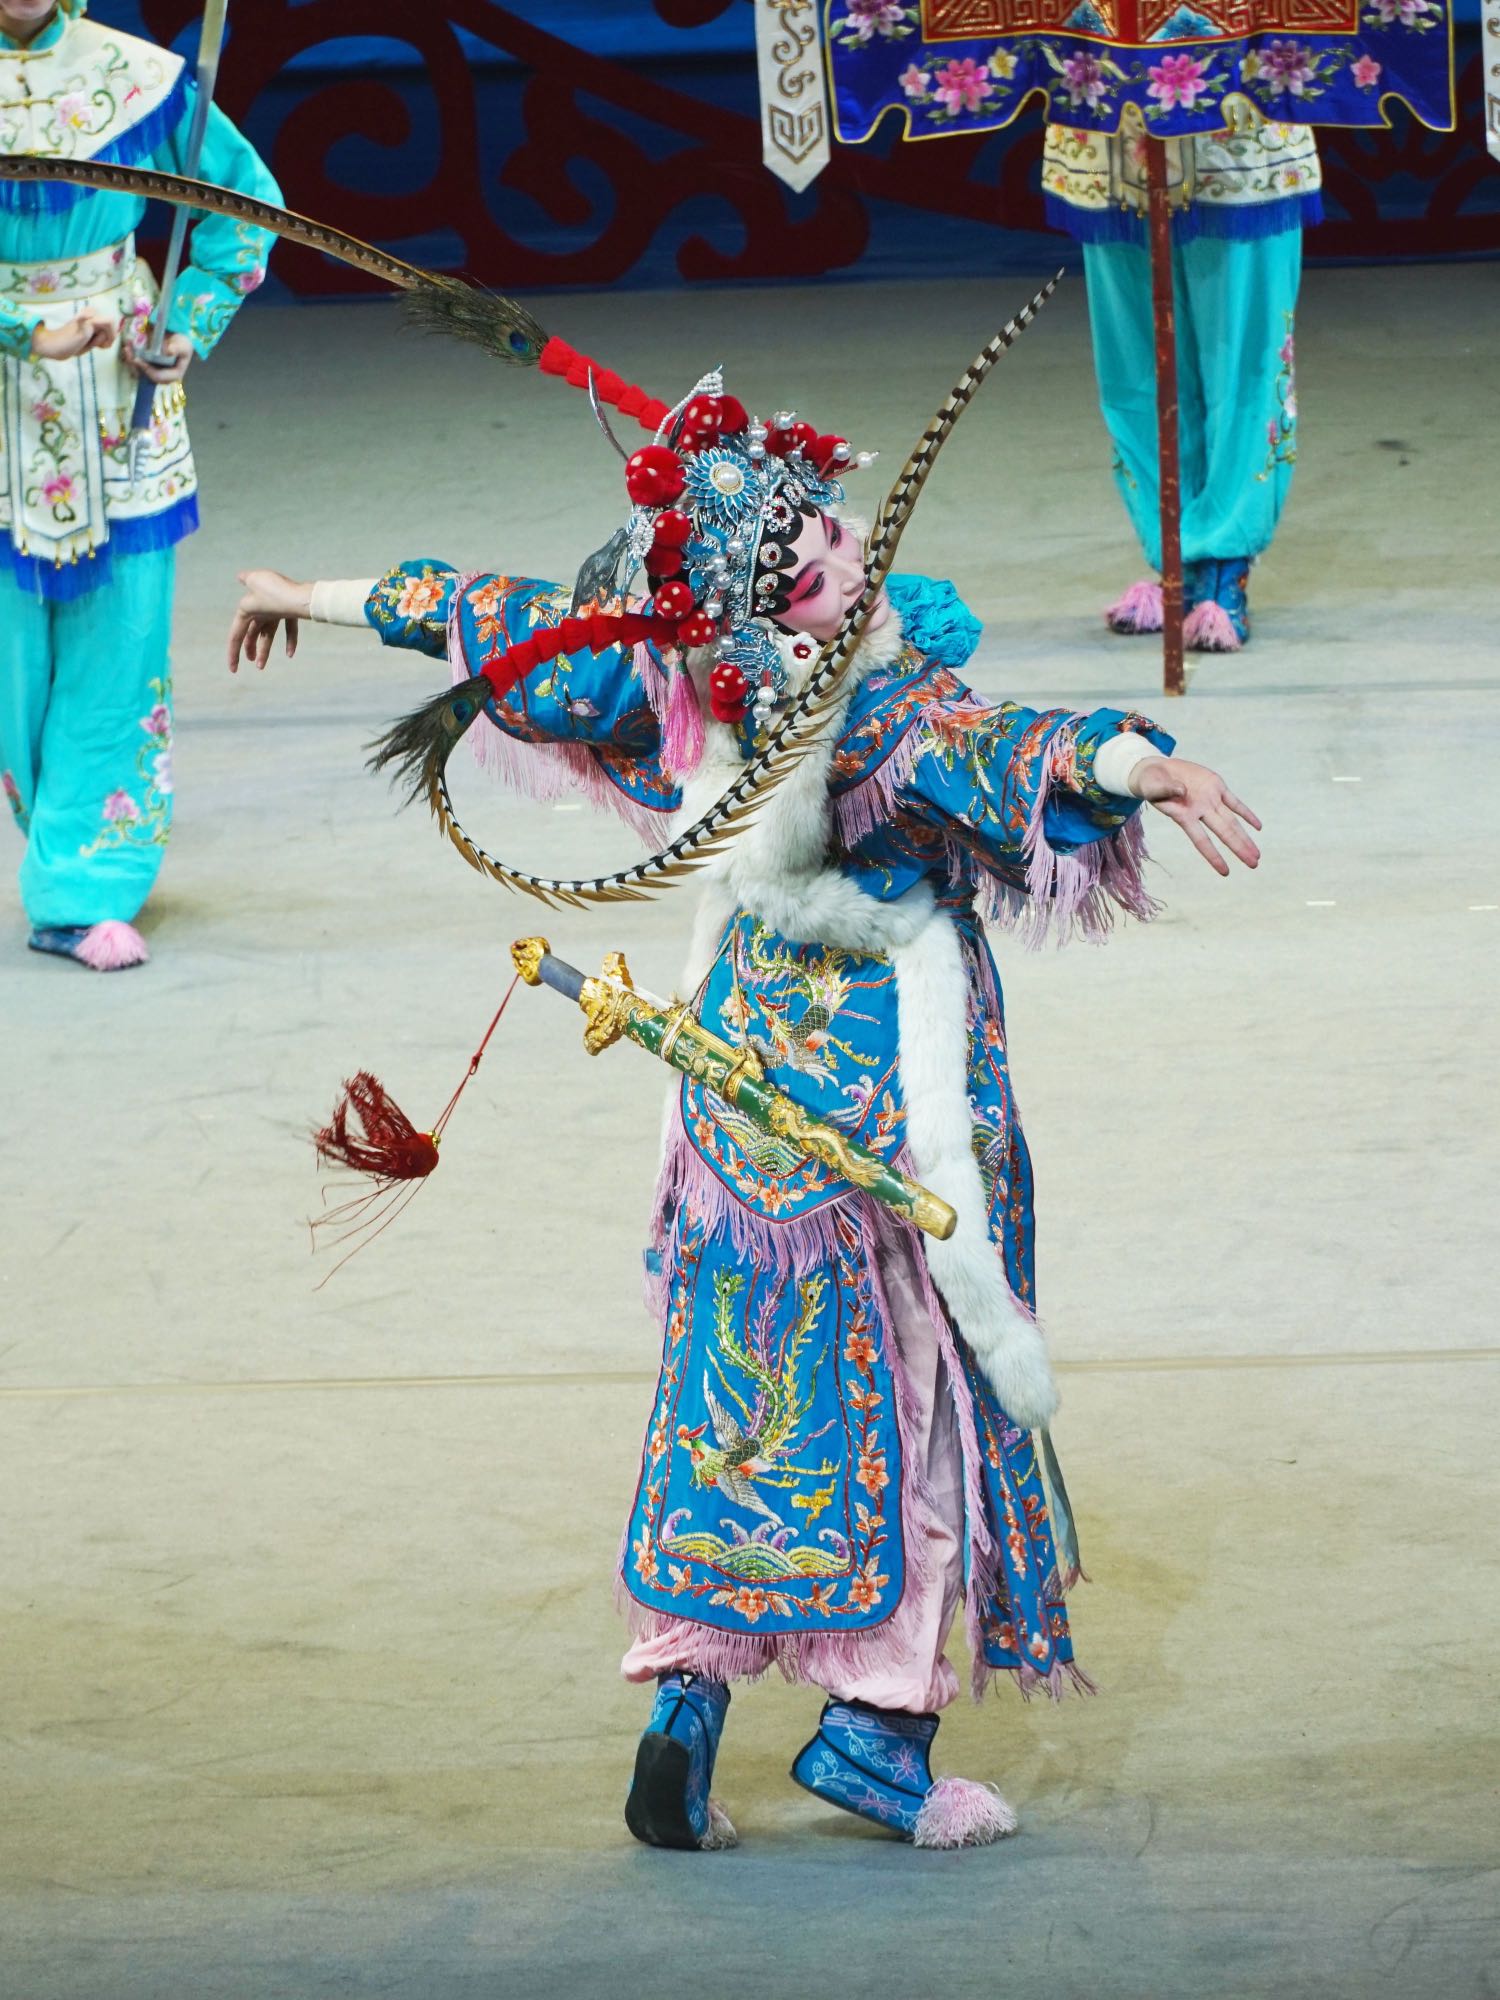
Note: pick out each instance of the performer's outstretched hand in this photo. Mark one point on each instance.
(176, 344)
(1201, 804)
(77, 336)
(270, 599)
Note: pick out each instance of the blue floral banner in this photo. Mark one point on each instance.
(956, 66)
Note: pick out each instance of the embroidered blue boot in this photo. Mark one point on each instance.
(669, 1805)
(1220, 620)
(873, 1762)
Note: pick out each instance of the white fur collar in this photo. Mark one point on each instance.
(777, 867)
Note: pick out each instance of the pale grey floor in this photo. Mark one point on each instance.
(307, 1672)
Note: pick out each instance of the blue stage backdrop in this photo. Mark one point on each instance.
(618, 142)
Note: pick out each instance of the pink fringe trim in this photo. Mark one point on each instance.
(111, 946)
(549, 771)
(799, 1246)
(1066, 894)
(1209, 628)
(682, 727)
(1139, 610)
(958, 1812)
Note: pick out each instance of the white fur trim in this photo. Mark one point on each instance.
(932, 1013)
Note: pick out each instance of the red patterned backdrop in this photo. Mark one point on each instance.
(538, 163)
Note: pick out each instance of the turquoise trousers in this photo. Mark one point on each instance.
(1237, 419)
(86, 739)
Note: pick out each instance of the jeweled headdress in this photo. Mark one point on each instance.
(718, 499)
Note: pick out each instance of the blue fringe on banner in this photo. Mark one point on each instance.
(131, 149)
(1242, 222)
(64, 583)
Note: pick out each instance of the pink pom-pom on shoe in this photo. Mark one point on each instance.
(958, 1812)
(111, 946)
(1208, 628)
(1139, 610)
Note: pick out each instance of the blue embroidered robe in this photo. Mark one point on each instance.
(772, 1494)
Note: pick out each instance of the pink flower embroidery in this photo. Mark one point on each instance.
(73, 111)
(119, 807)
(1084, 78)
(875, 17)
(915, 82)
(250, 280)
(1177, 80)
(1407, 12)
(45, 412)
(58, 487)
(161, 772)
(1287, 66)
(159, 721)
(1366, 72)
(962, 85)
(44, 281)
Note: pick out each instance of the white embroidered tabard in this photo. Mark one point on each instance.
(76, 98)
(64, 462)
(1254, 161)
(64, 467)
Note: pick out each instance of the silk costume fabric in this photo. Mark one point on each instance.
(85, 711)
(776, 1284)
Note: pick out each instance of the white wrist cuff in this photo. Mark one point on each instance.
(1115, 759)
(341, 602)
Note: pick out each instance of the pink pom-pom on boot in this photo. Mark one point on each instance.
(1139, 610)
(958, 1812)
(111, 946)
(1208, 628)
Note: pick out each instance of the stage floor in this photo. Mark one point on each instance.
(308, 1672)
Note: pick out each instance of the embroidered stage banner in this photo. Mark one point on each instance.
(961, 66)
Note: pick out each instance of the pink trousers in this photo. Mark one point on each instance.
(925, 1681)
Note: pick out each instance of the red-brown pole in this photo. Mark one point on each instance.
(1169, 463)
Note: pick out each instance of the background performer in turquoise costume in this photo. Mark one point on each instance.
(842, 1449)
(86, 573)
(1240, 201)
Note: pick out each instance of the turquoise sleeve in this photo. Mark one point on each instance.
(228, 257)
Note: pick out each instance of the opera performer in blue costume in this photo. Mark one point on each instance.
(91, 523)
(845, 1440)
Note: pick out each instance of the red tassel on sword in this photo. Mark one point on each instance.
(368, 1133)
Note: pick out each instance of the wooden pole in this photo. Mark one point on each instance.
(1169, 463)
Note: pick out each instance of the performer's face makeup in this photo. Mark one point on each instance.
(831, 576)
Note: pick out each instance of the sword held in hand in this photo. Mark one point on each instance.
(210, 44)
(613, 1006)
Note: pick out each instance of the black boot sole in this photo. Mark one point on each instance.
(656, 1811)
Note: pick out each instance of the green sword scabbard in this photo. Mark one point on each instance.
(612, 1007)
